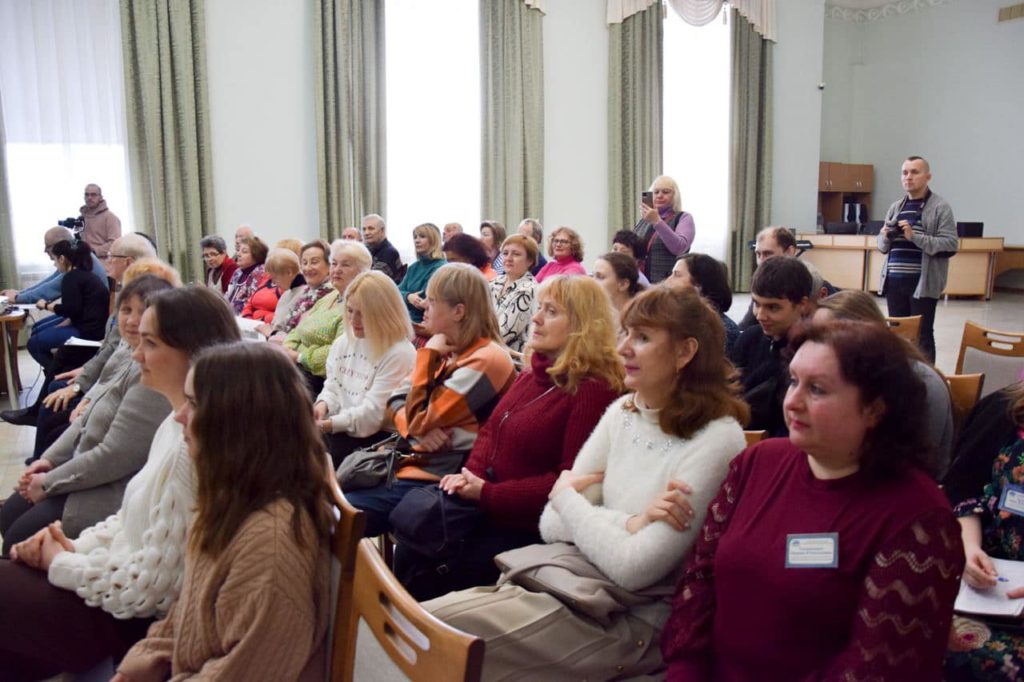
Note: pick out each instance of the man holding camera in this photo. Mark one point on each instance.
(102, 227)
(919, 238)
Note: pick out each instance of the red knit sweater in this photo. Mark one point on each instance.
(529, 439)
(882, 614)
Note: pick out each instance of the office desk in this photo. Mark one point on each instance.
(10, 325)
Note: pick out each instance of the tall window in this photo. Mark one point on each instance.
(63, 109)
(433, 116)
(696, 125)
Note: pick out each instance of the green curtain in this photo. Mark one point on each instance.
(348, 45)
(512, 111)
(750, 146)
(634, 113)
(8, 264)
(168, 126)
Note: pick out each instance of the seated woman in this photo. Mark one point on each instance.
(624, 241)
(859, 305)
(219, 265)
(546, 416)
(82, 309)
(81, 477)
(618, 276)
(513, 291)
(426, 239)
(105, 587)
(566, 250)
(666, 230)
(640, 482)
(465, 248)
(366, 363)
(254, 602)
(711, 280)
(492, 236)
(830, 555)
(309, 343)
(315, 266)
(65, 394)
(250, 275)
(283, 279)
(459, 376)
(989, 452)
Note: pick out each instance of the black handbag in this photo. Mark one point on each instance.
(433, 523)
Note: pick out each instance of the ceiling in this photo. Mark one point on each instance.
(858, 4)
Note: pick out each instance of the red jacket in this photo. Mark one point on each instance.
(226, 270)
(262, 304)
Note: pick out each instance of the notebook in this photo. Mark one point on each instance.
(993, 601)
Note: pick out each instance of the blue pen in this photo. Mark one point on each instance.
(1002, 579)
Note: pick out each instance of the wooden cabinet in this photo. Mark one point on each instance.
(841, 183)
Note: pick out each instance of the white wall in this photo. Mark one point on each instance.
(260, 59)
(797, 113)
(945, 83)
(576, 121)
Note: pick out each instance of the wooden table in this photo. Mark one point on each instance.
(10, 325)
(854, 262)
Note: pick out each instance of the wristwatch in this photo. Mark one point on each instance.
(75, 388)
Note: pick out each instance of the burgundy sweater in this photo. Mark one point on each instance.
(529, 439)
(883, 613)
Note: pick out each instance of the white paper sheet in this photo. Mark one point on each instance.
(993, 601)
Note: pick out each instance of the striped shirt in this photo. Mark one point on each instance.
(904, 255)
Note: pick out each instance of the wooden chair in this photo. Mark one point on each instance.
(907, 327)
(755, 437)
(348, 531)
(964, 390)
(997, 354)
(421, 646)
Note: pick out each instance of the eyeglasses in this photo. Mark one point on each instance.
(210, 256)
(92, 194)
(561, 242)
(114, 255)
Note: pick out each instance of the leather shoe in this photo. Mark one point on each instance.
(23, 417)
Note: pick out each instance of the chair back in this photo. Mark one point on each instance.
(754, 437)
(999, 355)
(418, 644)
(908, 328)
(964, 391)
(348, 531)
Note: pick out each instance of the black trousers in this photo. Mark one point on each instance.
(899, 295)
(20, 519)
(47, 630)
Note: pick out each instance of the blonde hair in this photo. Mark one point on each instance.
(385, 317)
(590, 348)
(677, 202)
(355, 250)
(575, 242)
(526, 243)
(151, 266)
(430, 231)
(282, 260)
(293, 245)
(853, 305)
(462, 284)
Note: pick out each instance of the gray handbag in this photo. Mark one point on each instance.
(369, 467)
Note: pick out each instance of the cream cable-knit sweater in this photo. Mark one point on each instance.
(131, 565)
(638, 459)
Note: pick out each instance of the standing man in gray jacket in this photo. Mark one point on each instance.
(919, 237)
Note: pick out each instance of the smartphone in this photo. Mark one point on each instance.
(647, 198)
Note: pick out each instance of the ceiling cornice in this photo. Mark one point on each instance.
(890, 9)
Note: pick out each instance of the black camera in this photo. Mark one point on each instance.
(73, 224)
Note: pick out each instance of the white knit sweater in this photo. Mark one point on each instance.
(131, 565)
(638, 460)
(357, 388)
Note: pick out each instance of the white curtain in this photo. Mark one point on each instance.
(63, 99)
(760, 13)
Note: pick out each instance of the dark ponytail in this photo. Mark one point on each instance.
(77, 252)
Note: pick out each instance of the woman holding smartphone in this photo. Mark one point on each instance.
(664, 227)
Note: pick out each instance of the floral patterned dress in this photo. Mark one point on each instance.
(980, 650)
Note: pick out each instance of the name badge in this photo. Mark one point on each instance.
(812, 550)
(1012, 499)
